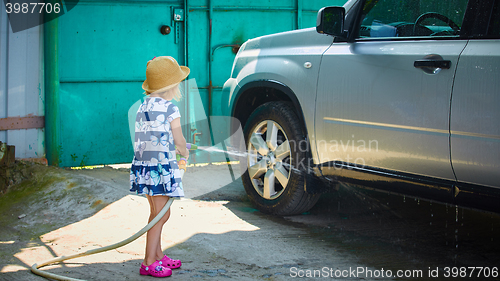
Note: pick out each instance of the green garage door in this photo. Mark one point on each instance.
(102, 50)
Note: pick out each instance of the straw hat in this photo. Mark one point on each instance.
(163, 73)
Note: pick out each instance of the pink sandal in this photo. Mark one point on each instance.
(155, 270)
(170, 263)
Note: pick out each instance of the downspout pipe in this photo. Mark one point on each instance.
(210, 57)
(209, 113)
(186, 16)
(187, 87)
(51, 76)
(299, 14)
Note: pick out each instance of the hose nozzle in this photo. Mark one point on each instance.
(181, 161)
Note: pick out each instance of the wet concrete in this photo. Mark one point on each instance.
(397, 232)
(219, 235)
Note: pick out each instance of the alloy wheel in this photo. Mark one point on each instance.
(269, 159)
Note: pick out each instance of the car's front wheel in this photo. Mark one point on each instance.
(277, 160)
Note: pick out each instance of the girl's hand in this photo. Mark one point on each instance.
(186, 155)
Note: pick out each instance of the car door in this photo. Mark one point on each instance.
(377, 105)
(475, 107)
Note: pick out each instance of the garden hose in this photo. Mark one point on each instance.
(182, 162)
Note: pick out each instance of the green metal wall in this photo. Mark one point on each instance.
(102, 50)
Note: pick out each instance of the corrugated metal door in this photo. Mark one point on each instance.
(103, 48)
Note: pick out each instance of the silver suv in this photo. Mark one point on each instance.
(401, 96)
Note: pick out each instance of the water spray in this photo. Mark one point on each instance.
(182, 162)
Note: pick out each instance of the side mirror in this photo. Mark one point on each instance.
(330, 21)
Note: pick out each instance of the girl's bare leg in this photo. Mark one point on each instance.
(159, 252)
(153, 237)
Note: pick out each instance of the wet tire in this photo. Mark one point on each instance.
(277, 161)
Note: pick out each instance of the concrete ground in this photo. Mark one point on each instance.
(217, 233)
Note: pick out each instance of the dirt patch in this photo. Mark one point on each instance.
(13, 174)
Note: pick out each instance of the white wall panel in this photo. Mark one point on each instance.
(21, 85)
(3, 68)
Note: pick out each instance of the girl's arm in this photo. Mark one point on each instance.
(179, 140)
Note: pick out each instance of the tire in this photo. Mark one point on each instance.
(277, 161)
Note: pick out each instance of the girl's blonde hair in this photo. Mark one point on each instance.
(169, 94)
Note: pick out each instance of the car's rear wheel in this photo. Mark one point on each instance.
(277, 160)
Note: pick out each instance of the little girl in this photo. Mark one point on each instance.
(154, 171)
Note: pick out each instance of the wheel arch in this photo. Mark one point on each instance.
(259, 92)
(256, 93)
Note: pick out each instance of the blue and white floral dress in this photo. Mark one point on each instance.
(154, 169)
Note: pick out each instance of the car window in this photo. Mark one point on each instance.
(494, 26)
(412, 18)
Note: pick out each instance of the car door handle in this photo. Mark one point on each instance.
(430, 63)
